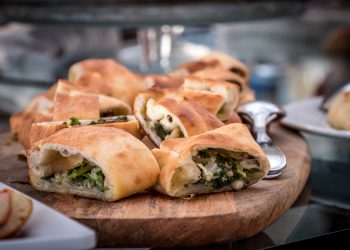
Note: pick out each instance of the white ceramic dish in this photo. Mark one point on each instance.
(306, 116)
(49, 229)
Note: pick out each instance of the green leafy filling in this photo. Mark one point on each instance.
(120, 118)
(73, 121)
(228, 169)
(83, 174)
(86, 174)
(160, 131)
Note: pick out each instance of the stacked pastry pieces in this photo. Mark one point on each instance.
(84, 136)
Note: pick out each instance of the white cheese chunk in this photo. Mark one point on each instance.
(237, 185)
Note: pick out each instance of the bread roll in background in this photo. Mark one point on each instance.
(21, 209)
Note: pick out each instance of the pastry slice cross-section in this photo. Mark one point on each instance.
(226, 158)
(169, 116)
(94, 162)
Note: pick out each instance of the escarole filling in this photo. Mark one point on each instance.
(73, 170)
(161, 122)
(222, 168)
(73, 121)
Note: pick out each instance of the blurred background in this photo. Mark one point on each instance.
(291, 47)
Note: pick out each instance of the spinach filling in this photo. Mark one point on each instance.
(160, 131)
(73, 121)
(83, 174)
(219, 169)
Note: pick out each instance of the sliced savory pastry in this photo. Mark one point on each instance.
(210, 88)
(228, 62)
(219, 66)
(339, 111)
(226, 158)
(70, 101)
(77, 101)
(43, 130)
(20, 211)
(108, 77)
(170, 116)
(214, 60)
(96, 162)
(21, 122)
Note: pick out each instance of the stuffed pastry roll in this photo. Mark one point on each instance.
(43, 130)
(94, 162)
(229, 95)
(228, 62)
(226, 158)
(77, 101)
(170, 116)
(339, 111)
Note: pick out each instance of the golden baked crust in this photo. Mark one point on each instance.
(71, 101)
(119, 81)
(111, 149)
(228, 62)
(175, 156)
(163, 81)
(192, 118)
(78, 101)
(210, 90)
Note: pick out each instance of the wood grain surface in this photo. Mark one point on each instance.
(155, 220)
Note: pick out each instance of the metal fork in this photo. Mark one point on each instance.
(259, 114)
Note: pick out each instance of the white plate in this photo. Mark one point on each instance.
(305, 115)
(49, 229)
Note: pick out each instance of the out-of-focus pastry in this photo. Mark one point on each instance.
(163, 81)
(108, 77)
(339, 110)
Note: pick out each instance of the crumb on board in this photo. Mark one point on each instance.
(8, 142)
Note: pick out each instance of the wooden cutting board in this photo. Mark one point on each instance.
(159, 221)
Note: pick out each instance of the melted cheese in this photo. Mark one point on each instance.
(209, 169)
(157, 113)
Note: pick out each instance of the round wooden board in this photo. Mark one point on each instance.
(159, 221)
